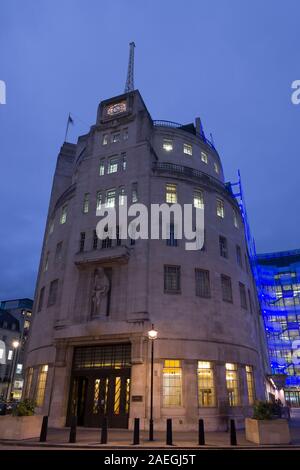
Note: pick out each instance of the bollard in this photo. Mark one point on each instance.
(136, 431)
(233, 440)
(44, 429)
(151, 437)
(201, 434)
(72, 438)
(169, 440)
(104, 431)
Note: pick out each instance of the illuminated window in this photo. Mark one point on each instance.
(204, 157)
(168, 145)
(110, 198)
(220, 208)
(172, 383)
(121, 196)
(85, 207)
(28, 382)
(172, 279)
(187, 149)
(198, 199)
(19, 368)
(134, 192)
(226, 288)
(223, 247)
(112, 165)
(232, 384)
(101, 168)
(105, 139)
(243, 295)
(202, 283)
(206, 387)
(63, 215)
(41, 385)
(115, 137)
(235, 219)
(1, 353)
(82, 241)
(216, 168)
(123, 161)
(239, 255)
(98, 201)
(171, 193)
(53, 293)
(10, 355)
(250, 384)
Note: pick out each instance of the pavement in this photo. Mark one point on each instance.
(89, 438)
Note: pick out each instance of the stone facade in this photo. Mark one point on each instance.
(190, 328)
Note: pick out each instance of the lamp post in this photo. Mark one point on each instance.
(15, 345)
(152, 335)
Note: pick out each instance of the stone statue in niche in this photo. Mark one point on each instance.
(100, 289)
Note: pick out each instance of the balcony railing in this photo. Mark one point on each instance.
(185, 127)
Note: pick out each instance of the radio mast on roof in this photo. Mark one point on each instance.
(129, 86)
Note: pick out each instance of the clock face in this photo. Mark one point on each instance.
(116, 108)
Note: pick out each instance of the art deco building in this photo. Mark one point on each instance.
(89, 352)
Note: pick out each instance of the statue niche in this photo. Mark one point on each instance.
(100, 291)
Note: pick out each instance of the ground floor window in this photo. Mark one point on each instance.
(206, 387)
(172, 383)
(41, 385)
(232, 384)
(250, 384)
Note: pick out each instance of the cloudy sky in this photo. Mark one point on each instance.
(230, 62)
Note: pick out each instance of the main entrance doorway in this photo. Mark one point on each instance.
(100, 385)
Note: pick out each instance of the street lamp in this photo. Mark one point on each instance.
(15, 345)
(152, 335)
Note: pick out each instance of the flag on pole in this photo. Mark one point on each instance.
(70, 121)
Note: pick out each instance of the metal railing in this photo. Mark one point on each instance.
(184, 127)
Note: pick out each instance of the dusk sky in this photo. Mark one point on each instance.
(230, 62)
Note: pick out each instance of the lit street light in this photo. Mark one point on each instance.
(152, 335)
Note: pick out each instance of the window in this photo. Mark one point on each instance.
(204, 157)
(187, 149)
(250, 301)
(85, 207)
(110, 198)
(239, 255)
(112, 165)
(250, 384)
(220, 208)
(206, 387)
(125, 134)
(115, 137)
(41, 299)
(51, 226)
(172, 383)
(202, 283)
(106, 240)
(101, 168)
(95, 240)
(226, 288)
(198, 199)
(134, 192)
(58, 252)
(81, 241)
(246, 263)
(232, 384)
(19, 368)
(172, 241)
(123, 161)
(223, 247)
(105, 139)
(243, 295)
(41, 385)
(53, 293)
(10, 355)
(168, 145)
(28, 382)
(235, 219)
(46, 261)
(63, 215)
(121, 196)
(98, 200)
(171, 193)
(172, 279)
(216, 168)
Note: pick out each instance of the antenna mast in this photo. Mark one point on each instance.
(129, 86)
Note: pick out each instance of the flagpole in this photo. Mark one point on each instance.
(67, 128)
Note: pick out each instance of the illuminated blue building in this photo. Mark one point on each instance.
(278, 282)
